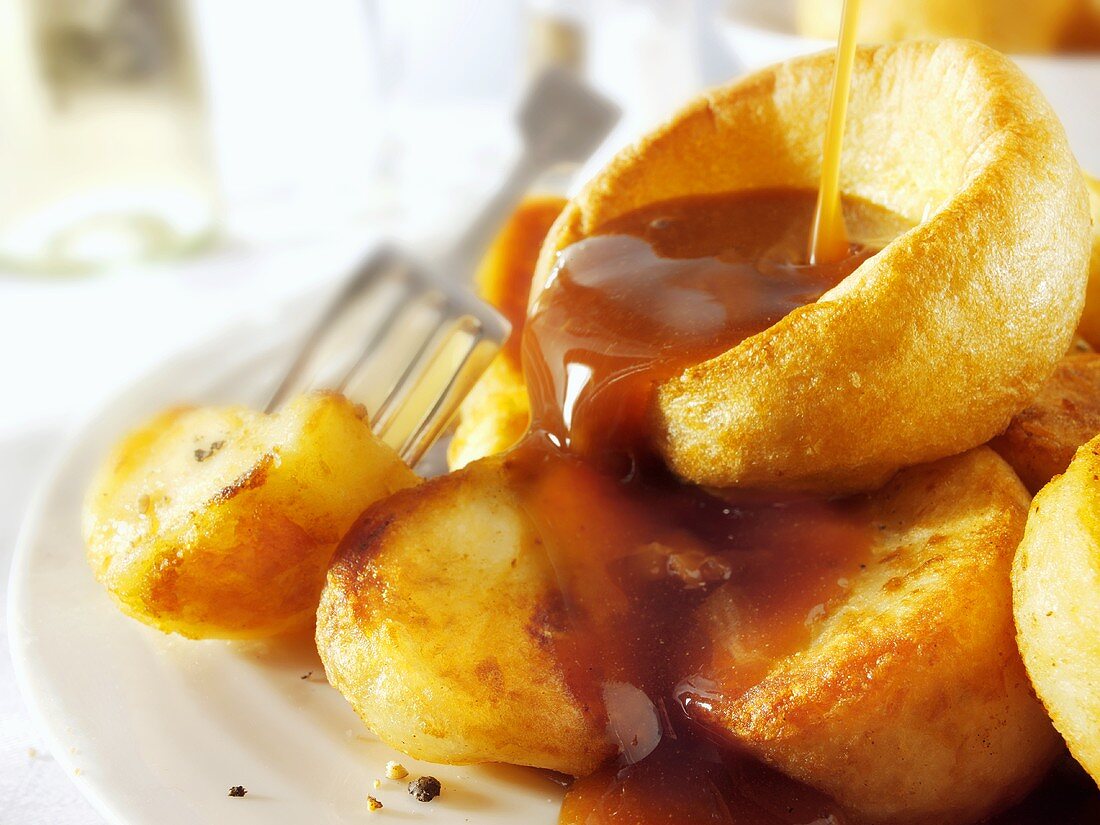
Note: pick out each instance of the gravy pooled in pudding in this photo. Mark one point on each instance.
(636, 551)
(664, 288)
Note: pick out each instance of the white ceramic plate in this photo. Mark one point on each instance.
(155, 729)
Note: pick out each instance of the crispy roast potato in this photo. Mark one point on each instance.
(910, 703)
(1089, 328)
(437, 623)
(1056, 589)
(220, 523)
(1041, 440)
(932, 345)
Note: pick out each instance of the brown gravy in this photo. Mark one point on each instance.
(636, 551)
(662, 289)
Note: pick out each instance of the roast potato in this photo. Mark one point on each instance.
(1056, 589)
(220, 523)
(438, 624)
(1041, 440)
(932, 345)
(909, 703)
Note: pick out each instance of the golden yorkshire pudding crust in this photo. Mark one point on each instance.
(1012, 26)
(910, 704)
(1056, 595)
(1042, 438)
(931, 346)
(1089, 328)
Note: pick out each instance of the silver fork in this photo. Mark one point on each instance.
(405, 337)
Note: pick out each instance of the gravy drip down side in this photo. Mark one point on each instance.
(634, 549)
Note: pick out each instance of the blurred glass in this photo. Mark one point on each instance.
(555, 35)
(103, 147)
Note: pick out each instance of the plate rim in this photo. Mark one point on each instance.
(72, 438)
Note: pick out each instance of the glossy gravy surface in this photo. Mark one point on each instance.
(634, 550)
(665, 288)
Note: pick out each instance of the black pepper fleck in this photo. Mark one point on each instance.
(425, 789)
(237, 790)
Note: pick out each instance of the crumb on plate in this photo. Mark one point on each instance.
(395, 770)
(425, 789)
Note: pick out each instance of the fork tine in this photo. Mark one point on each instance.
(386, 410)
(376, 340)
(561, 120)
(443, 408)
(425, 345)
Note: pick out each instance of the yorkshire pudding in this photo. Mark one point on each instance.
(929, 347)
(443, 624)
(1018, 26)
(1041, 440)
(1089, 328)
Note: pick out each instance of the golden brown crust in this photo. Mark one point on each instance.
(932, 345)
(910, 704)
(1019, 26)
(1089, 328)
(437, 624)
(1042, 438)
(1056, 596)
